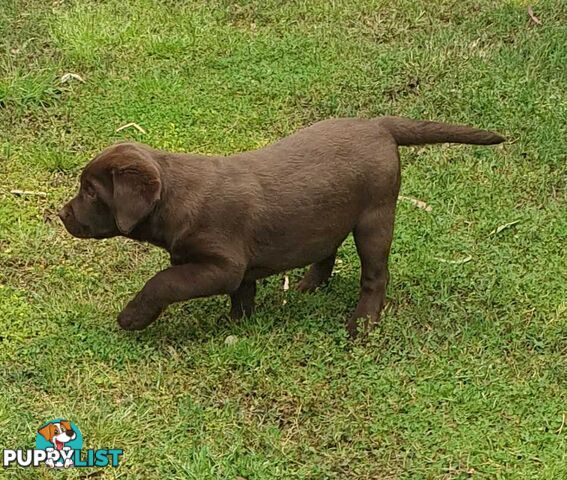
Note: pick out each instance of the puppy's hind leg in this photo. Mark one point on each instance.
(317, 274)
(373, 237)
(242, 300)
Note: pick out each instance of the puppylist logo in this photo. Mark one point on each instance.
(59, 444)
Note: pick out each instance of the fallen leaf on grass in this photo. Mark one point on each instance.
(416, 202)
(68, 76)
(533, 18)
(454, 262)
(21, 193)
(132, 124)
(497, 230)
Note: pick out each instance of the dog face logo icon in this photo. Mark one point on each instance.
(60, 435)
(59, 444)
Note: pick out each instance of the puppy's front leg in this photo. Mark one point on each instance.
(242, 301)
(175, 284)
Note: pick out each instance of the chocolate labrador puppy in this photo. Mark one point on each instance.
(229, 221)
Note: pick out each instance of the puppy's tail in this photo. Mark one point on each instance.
(415, 132)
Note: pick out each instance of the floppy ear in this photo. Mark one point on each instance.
(47, 432)
(66, 424)
(137, 188)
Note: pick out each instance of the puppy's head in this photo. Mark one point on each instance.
(58, 433)
(119, 188)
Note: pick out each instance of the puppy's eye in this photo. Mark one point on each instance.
(89, 190)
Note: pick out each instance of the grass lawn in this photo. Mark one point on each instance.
(465, 377)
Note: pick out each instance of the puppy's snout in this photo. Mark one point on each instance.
(64, 213)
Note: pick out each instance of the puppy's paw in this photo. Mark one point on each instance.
(127, 319)
(357, 327)
(134, 317)
(307, 285)
(239, 312)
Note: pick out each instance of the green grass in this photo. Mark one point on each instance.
(466, 375)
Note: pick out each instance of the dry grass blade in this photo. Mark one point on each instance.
(131, 124)
(560, 429)
(498, 229)
(418, 203)
(454, 262)
(71, 76)
(23, 193)
(285, 287)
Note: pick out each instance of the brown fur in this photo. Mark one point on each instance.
(229, 221)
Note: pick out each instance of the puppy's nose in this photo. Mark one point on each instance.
(63, 213)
